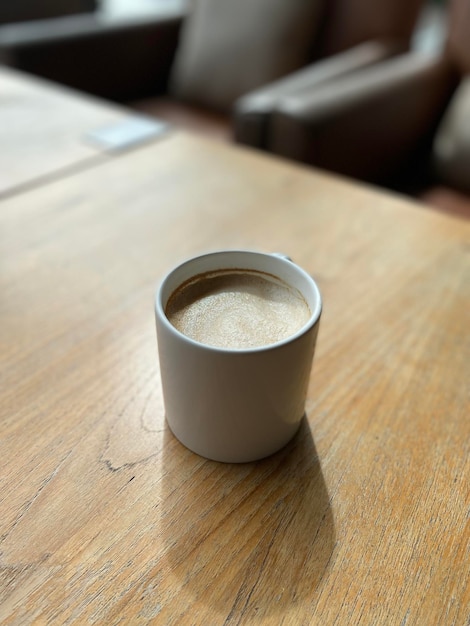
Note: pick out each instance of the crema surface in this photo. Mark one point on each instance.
(237, 309)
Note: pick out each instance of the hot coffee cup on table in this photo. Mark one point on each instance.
(236, 335)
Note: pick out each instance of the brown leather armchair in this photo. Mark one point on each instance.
(239, 57)
(402, 122)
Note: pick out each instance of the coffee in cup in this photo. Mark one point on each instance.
(237, 309)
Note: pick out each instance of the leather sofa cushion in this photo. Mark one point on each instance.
(451, 149)
(350, 22)
(229, 47)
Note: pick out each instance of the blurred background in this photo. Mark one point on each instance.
(376, 91)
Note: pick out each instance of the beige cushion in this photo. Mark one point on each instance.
(229, 47)
(451, 150)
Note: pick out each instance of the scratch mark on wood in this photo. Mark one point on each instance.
(405, 619)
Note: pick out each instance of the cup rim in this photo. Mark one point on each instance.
(313, 320)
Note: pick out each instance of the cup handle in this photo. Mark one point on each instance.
(282, 256)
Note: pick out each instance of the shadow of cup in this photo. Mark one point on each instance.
(243, 542)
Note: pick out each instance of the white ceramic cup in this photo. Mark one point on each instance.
(236, 405)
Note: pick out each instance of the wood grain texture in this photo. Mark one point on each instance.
(43, 129)
(107, 519)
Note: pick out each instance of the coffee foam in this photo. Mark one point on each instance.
(237, 309)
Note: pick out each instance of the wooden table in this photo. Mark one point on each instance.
(107, 519)
(44, 130)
